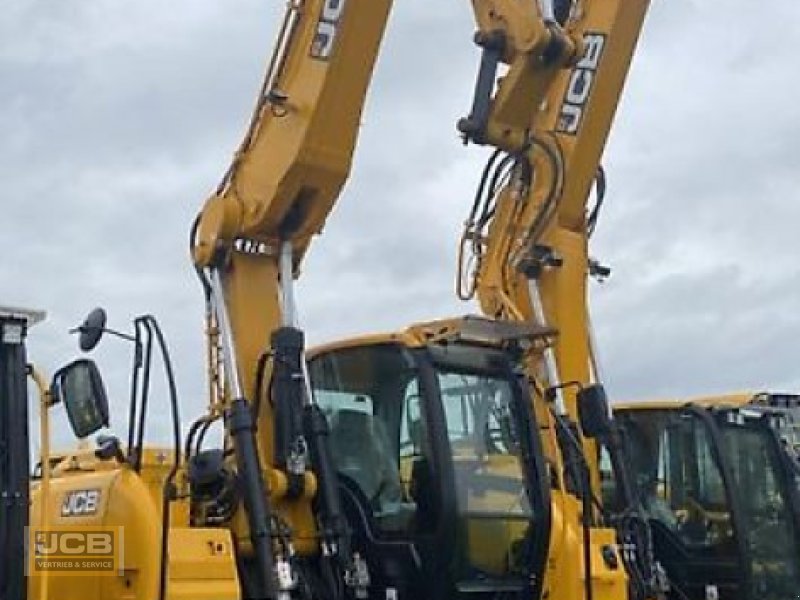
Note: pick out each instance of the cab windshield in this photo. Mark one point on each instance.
(766, 510)
(490, 489)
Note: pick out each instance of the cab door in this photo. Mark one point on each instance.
(392, 489)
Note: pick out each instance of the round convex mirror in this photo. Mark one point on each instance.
(92, 329)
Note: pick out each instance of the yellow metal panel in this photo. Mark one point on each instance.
(193, 589)
(124, 502)
(565, 573)
(201, 564)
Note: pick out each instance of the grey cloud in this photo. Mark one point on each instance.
(118, 119)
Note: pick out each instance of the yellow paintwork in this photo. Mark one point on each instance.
(201, 564)
(564, 575)
(297, 154)
(529, 80)
(292, 164)
(199, 559)
(296, 157)
(416, 335)
(503, 290)
(283, 183)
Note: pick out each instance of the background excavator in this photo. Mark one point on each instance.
(445, 461)
(719, 477)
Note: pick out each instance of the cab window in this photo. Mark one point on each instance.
(370, 398)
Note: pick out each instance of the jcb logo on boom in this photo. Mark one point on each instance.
(580, 84)
(327, 29)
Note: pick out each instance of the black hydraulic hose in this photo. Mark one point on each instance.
(150, 325)
(601, 185)
(145, 392)
(483, 210)
(189, 445)
(480, 192)
(202, 435)
(168, 491)
(553, 194)
(489, 205)
(201, 276)
(258, 397)
(643, 573)
(134, 400)
(196, 435)
(587, 531)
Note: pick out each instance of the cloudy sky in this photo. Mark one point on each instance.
(118, 118)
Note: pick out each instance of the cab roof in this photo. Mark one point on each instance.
(726, 400)
(469, 330)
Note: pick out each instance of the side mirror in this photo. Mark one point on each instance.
(80, 387)
(593, 411)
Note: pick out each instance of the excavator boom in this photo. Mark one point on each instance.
(296, 155)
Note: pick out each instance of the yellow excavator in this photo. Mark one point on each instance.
(450, 460)
(719, 478)
(722, 471)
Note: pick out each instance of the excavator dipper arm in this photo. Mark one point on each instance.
(525, 248)
(528, 234)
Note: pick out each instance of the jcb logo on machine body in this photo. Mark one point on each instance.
(580, 84)
(327, 29)
(78, 503)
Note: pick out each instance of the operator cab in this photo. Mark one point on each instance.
(438, 464)
(721, 497)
